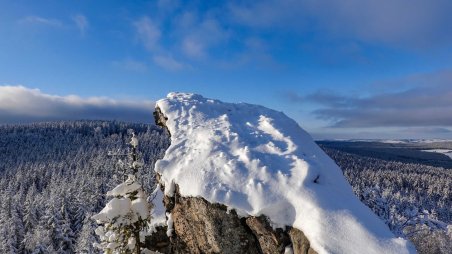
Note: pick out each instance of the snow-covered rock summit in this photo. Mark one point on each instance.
(259, 161)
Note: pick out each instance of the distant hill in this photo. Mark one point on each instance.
(407, 152)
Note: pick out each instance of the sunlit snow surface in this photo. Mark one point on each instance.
(259, 161)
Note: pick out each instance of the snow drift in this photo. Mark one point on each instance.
(258, 161)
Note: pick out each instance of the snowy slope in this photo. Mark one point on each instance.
(259, 161)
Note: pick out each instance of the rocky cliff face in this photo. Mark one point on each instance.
(203, 227)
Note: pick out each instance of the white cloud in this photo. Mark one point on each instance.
(81, 22)
(193, 48)
(148, 33)
(168, 5)
(427, 103)
(416, 23)
(131, 65)
(168, 62)
(36, 20)
(200, 36)
(19, 104)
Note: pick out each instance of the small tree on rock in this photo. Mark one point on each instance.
(123, 221)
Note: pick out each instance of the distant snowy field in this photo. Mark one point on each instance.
(393, 141)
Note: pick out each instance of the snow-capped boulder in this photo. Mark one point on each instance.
(253, 163)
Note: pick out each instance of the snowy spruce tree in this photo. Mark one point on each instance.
(124, 220)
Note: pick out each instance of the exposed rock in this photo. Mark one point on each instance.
(159, 241)
(203, 227)
(270, 241)
(160, 119)
(300, 243)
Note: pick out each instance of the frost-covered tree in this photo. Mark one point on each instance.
(86, 238)
(42, 163)
(123, 221)
(54, 176)
(39, 241)
(414, 200)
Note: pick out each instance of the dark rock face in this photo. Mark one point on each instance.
(270, 240)
(159, 118)
(300, 243)
(203, 227)
(159, 241)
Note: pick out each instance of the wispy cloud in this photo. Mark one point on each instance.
(167, 5)
(396, 23)
(131, 65)
(200, 34)
(148, 33)
(36, 20)
(19, 104)
(168, 62)
(427, 103)
(81, 22)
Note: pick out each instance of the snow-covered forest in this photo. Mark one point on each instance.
(54, 177)
(414, 200)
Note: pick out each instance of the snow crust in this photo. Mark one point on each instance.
(258, 161)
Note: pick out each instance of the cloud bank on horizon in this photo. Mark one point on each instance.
(418, 112)
(19, 104)
(422, 104)
(426, 100)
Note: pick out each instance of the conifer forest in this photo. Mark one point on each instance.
(54, 177)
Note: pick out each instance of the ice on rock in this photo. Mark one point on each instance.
(258, 161)
(288, 250)
(169, 223)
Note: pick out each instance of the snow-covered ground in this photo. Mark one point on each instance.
(447, 152)
(259, 161)
(393, 141)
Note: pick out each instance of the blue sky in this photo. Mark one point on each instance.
(342, 69)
